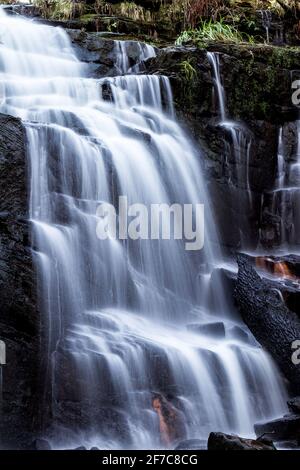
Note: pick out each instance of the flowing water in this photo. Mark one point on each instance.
(283, 202)
(266, 17)
(238, 139)
(123, 318)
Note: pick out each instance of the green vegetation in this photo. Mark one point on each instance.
(188, 70)
(200, 21)
(213, 31)
(60, 9)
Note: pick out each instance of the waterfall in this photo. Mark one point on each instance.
(145, 51)
(124, 318)
(283, 201)
(266, 17)
(239, 139)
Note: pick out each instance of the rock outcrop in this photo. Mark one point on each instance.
(263, 309)
(19, 319)
(241, 166)
(219, 441)
(285, 430)
(101, 54)
(282, 429)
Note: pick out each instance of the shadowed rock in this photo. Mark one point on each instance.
(19, 320)
(220, 441)
(274, 326)
(294, 405)
(286, 428)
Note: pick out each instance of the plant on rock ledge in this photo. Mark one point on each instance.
(213, 31)
(188, 70)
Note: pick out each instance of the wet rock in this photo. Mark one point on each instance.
(101, 54)
(190, 444)
(172, 423)
(273, 325)
(238, 186)
(284, 428)
(107, 94)
(216, 329)
(294, 405)
(24, 10)
(240, 334)
(220, 441)
(20, 323)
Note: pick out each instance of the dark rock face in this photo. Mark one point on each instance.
(113, 25)
(294, 405)
(19, 320)
(286, 428)
(241, 168)
(101, 54)
(220, 441)
(268, 318)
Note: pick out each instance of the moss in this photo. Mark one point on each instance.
(285, 57)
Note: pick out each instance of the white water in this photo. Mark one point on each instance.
(266, 16)
(117, 313)
(283, 202)
(122, 63)
(239, 142)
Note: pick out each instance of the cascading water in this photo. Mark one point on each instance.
(283, 202)
(266, 16)
(239, 143)
(145, 51)
(124, 318)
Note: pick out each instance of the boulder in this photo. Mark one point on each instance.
(220, 441)
(274, 326)
(285, 428)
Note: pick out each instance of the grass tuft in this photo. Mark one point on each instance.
(209, 31)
